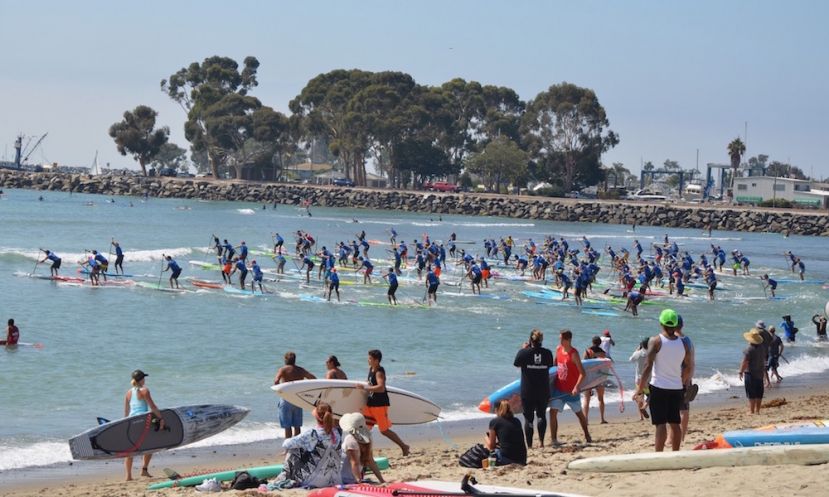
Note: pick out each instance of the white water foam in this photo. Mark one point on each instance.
(246, 212)
(129, 255)
(37, 454)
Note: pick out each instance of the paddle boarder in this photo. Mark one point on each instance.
(769, 283)
(333, 284)
(175, 271)
(391, 277)
(290, 416)
(239, 265)
(257, 276)
(55, 261)
(535, 362)
(119, 257)
(665, 379)
(102, 262)
(569, 375)
(139, 401)
(376, 410)
(432, 283)
(12, 335)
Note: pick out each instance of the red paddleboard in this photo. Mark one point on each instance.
(207, 284)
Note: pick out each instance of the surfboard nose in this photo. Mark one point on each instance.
(485, 406)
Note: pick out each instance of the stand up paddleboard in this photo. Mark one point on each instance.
(690, 459)
(432, 488)
(803, 433)
(261, 472)
(140, 434)
(406, 408)
(598, 371)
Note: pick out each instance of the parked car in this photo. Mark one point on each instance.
(342, 182)
(167, 171)
(441, 186)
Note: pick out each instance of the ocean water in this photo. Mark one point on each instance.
(209, 346)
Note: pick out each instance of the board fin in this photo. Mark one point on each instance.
(102, 421)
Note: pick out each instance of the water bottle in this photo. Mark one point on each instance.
(492, 460)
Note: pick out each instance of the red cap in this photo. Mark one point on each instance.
(607, 333)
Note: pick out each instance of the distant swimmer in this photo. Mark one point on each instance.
(13, 335)
(769, 283)
(175, 271)
(55, 260)
(391, 277)
(333, 284)
(119, 257)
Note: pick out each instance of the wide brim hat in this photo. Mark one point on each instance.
(355, 424)
(753, 336)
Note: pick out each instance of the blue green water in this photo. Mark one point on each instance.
(213, 347)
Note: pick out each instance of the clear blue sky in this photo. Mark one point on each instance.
(673, 76)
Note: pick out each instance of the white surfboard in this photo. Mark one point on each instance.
(406, 408)
(140, 434)
(690, 459)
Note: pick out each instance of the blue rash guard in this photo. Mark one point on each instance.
(433, 280)
(257, 272)
(392, 278)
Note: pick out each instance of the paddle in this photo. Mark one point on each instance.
(37, 261)
(158, 285)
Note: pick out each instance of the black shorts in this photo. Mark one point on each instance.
(118, 260)
(176, 273)
(433, 288)
(754, 386)
(476, 280)
(774, 363)
(392, 289)
(664, 405)
(56, 264)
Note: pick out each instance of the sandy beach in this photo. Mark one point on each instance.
(546, 468)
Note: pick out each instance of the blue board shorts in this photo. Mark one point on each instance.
(560, 400)
(290, 416)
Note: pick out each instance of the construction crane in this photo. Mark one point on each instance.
(22, 153)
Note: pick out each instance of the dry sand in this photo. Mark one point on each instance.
(546, 468)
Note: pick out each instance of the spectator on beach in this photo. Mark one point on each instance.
(595, 351)
(569, 375)
(535, 362)
(752, 370)
(505, 438)
(666, 377)
(333, 371)
(607, 343)
(639, 359)
(139, 401)
(290, 416)
(314, 459)
(356, 449)
(377, 406)
(689, 389)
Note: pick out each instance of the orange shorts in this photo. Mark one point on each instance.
(377, 416)
(437, 272)
(485, 273)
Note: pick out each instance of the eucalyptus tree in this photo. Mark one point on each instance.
(501, 161)
(137, 135)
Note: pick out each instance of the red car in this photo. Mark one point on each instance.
(441, 186)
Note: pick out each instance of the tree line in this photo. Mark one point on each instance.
(411, 132)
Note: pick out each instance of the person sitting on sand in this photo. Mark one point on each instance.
(356, 449)
(314, 459)
(139, 401)
(505, 437)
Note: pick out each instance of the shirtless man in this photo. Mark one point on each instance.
(290, 416)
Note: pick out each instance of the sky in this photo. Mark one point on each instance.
(678, 79)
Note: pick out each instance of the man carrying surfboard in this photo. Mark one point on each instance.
(667, 354)
(569, 376)
(376, 410)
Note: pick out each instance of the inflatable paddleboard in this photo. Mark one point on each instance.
(597, 370)
(138, 434)
(803, 433)
(262, 472)
(406, 408)
(432, 488)
(690, 459)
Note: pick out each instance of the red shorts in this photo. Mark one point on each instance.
(377, 416)
(485, 273)
(437, 272)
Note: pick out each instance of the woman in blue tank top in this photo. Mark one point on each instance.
(139, 401)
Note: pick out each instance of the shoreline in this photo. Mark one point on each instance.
(666, 214)
(438, 445)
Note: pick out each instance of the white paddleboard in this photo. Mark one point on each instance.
(690, 459)
(406, 408)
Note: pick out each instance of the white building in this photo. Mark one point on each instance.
(756, 189)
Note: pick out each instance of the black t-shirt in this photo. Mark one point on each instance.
(377, 399)
(510, 436)
(535, 363)
(756, 357)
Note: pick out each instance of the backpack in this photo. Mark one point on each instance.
(473, 458)
(244, 480)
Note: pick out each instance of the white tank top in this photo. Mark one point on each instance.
(667, 366)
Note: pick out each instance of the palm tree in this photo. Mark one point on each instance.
(736, 149)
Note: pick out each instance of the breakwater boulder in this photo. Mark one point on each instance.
(667, 214)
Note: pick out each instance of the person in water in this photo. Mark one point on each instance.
(12, 335)
(139, 401)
